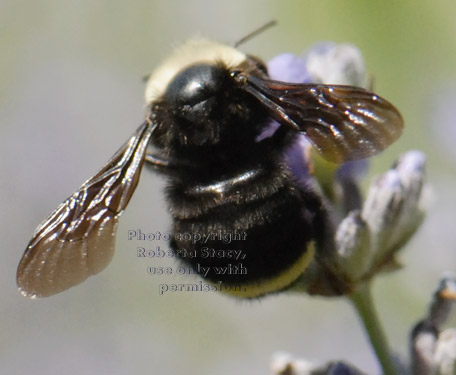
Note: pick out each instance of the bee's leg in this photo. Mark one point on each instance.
(164, 164)
(159, 163)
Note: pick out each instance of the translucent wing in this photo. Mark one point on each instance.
(342, 122)
(77, 240)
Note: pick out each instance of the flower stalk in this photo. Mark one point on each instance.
(364, 306)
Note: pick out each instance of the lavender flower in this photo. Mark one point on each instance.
(434, 352)
(326, 63)
(285, 364)
(367, 233)
(367, 240)
(341, 64)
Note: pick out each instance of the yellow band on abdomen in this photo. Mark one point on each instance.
(274, 284)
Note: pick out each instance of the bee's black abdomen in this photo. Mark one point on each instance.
(265, 215)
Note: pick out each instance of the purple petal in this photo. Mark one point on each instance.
(352, 170)
(288, 68)
(322, 63)
(296, 160)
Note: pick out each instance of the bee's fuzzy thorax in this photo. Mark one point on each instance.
(196, 50)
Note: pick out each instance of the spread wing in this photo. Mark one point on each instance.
(77, 240)
(342, 122)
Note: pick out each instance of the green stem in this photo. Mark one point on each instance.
(363, 303)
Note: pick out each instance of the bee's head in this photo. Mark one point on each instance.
(197, 101)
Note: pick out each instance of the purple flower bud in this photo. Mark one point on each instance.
(445, 352)
(394, 205)
(285, 363)
(341, 64)
(296, 159)
(433, 351)
(353, 245)
(392, 211)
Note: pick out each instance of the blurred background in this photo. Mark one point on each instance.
(71, 92)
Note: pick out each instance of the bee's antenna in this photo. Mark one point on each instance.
(255, 32)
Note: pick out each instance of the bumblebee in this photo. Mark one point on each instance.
(207, 108)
